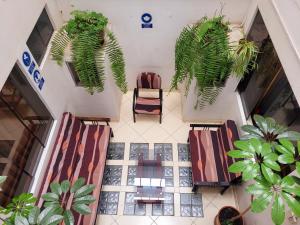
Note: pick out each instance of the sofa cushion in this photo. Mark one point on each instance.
(79, 151)
(209, 154)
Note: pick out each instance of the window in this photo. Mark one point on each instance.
(73, 73)
(24, 126)
(266, 90)
(40, 37)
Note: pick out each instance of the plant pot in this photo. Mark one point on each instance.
(226, 213)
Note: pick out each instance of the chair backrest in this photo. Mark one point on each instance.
(148, 80)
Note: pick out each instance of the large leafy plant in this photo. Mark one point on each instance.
(203, 52)
(261, 160)
(59, 205)
(269, 130)
(90, 40)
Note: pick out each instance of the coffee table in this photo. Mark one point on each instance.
(149, 180)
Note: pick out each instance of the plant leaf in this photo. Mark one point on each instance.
(78, 184)
(261, 202)
(239, 154)
(292, 203)
(257, 189)
(50, 197)
(54, 220)
(65, 186)
(278, 211)
(20, 220)
(252, 130)
(298, 167)
(88, 199)
(291, 135)
(286, 159)
(272, 164)
(85, 190)
(56, 188)
(68, 217)
(268, 174)
(82, 209)
(288, 145)
(33, 215)
(239, 166)
(251, 171)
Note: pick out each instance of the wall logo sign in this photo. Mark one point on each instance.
(32, 69)
(146, 20)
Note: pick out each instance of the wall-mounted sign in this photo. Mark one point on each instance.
(146, 20)
(32, 69)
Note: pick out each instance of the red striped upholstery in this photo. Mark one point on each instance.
(209, 154)
(147, 106)
(79, 151)
(149, 80)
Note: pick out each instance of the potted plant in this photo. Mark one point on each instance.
(90, 41)
(55, 210)
(263, 153)
(203, 52)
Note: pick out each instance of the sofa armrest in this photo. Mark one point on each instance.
(95, 120)
(206, 126)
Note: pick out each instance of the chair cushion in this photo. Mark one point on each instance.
(209, 154)
(147, 106)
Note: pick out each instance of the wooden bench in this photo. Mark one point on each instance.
(79, 151)
(208, 148)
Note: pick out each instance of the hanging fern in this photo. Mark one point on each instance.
(86, 32)
(59, 44)
(116, 58)
(203, 53)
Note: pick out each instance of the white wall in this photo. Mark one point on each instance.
(282, 21)
(59, 93)
(153, 49)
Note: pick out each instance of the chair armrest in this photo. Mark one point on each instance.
(205, 125)
(93, 119)
(135, 92)
(161, 98)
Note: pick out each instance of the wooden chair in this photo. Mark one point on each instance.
(147, 105)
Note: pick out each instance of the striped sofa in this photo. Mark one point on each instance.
(208, 148)
(79, 151)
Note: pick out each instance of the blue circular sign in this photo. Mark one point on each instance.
(146, 18)
(26, 59)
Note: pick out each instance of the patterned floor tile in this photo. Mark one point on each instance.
(191, 205)
(185, 177)
(166, 208)
(165, 150)
(169, 176)
(138, 148)
(112, 175)
(183, 152)
(108, 203)
(133, 208)
(132, 170)
(116, 151)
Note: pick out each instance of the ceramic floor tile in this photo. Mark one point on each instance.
(148, 130)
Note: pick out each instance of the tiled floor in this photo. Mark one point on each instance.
(148, 130)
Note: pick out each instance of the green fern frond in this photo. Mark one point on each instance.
(84, 49)
(203, 53)
(58, 45)
(116, 58)
(244, 57)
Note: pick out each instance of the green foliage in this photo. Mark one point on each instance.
(262, 157)
(47, 217)
(87, 32)
(2, 179)
(19, 206)
(116, 59)
(203, 53)
(269, 130)
(80, 202)
(244, 57)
